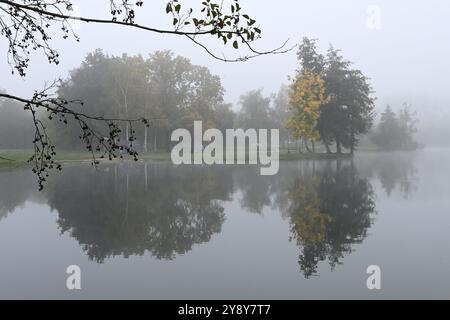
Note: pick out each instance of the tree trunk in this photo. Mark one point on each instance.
(146, 176)
(352, 144)
(145, 139)
(338, 147)
(327, 146)
(352, 135)
(127, 202)
(307, 146)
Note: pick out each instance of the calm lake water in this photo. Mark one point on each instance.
(151, 230)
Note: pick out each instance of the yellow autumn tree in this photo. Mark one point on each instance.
(306, 98)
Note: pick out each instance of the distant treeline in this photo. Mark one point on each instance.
(328, 103)
(396, 132)
(16, 127)
(166, 89)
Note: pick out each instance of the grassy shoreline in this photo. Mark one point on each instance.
(19, 158)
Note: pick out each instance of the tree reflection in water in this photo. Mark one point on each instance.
(133, 209)
(330, 209)
(16, 187)
(126, 209)
(395, 171)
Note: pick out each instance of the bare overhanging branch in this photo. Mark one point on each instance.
(256, 53)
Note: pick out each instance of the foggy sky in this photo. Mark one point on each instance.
(406, 58)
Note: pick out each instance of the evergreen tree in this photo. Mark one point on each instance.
(396, 132)
(349, 112)
(387, 134)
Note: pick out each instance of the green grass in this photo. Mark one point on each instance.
(159, 156)
(18, 158)
(312, 156)
(14, 158)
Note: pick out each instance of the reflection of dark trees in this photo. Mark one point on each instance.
(329, 210)
(328, 204)
(394, 170)
(15, 188)
(393, 174)
(124, 209)
(255, 189)
(135, 209)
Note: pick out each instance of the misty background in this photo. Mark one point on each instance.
(404, 55)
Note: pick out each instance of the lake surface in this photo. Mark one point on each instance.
(155, 231)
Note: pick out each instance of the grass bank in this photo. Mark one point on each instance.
(313, 156)
(19, 158)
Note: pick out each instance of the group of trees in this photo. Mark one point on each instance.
(166, 88)
(330, 100)
(265, 112)
(396, 132)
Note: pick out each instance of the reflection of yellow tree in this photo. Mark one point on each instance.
(308, 222)
(329, 211)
